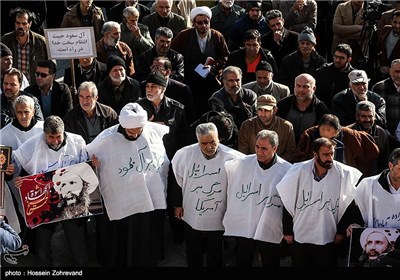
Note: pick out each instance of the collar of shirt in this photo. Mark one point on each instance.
(316, 177)
(396, 87)
(391, 188)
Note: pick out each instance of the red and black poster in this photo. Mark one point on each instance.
(5, 160)
(66, 193)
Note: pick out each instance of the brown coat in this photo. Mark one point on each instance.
(360, 148)
(124, 51)
(72, 18)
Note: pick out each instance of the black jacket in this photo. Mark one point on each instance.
(61, 98)
(130, 93)
(344, 107)
(238, 58)
(74, 120)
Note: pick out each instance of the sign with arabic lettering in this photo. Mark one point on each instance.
(66, 193)
(70, 43)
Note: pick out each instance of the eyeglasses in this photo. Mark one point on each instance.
(43, 75)
(200, 22)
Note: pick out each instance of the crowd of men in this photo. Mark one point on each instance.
(209, 114)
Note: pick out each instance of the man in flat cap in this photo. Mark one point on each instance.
(266, 119)
(198, 45)
(169, 112)
(118, 89)
(133, 168)
(7, 64)
(344, 102)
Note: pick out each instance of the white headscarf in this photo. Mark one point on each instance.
(132, 116)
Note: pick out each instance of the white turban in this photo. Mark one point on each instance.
(70, 179)
(390, 233)
(202, 10)
(132, 116)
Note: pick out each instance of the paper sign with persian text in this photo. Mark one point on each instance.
(70, 43)
(66, 193)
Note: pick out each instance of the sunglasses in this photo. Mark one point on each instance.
(200, 22)
(43, 75)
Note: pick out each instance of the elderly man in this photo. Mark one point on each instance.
(365, 121)
(200, 197)
(54, 97)
(12, 89)
(134, 34)
(118, 89)
(314, 201)
(254, 208)
(175, 89)
(264, 83)
(303, 109)
(140, 166)
(27, 46)
(224, 15)
(115, 13)
(198, 44)
(49, 150)
(6, 64)
(23, 126)
(90, 117)
(169, 112)
(162, 47)
(266, 119)
(110, 44)
(344, 102)
(163, 16)
(376, 197)
(232, 98)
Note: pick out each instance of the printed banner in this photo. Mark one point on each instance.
(374, 247)
(66, 193)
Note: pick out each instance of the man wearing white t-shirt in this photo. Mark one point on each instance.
(200, 198)
(378, 197)
(315, 194)
(133, 169)
(254, 208)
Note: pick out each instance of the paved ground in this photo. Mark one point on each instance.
(174, 253)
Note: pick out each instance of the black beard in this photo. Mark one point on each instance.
(326, 164)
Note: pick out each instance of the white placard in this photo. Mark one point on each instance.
(70, 43)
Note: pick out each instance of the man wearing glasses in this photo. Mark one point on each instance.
(54, 98)
(333, 77)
